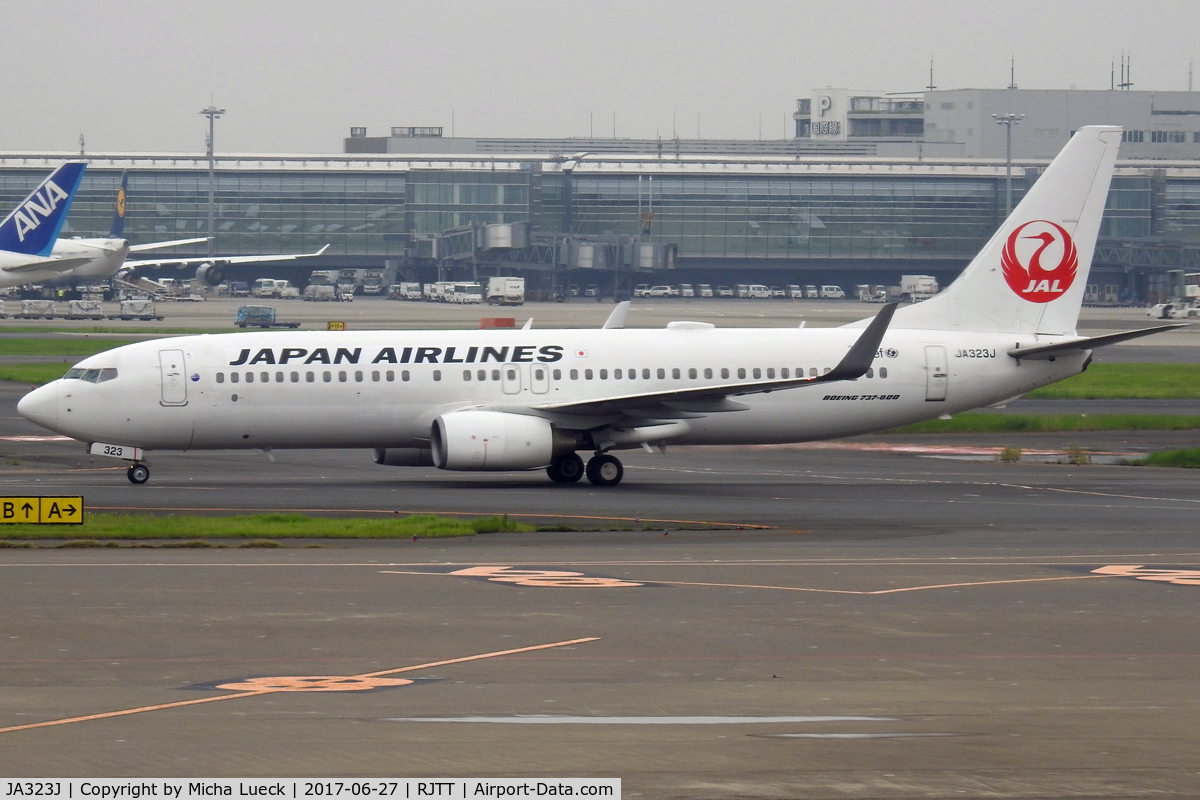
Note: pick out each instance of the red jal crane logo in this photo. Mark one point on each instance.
(1029, 261)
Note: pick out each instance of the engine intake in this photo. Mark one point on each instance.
(494, 440)
(210, 274)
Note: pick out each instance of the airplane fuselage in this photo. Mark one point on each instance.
(384, 389)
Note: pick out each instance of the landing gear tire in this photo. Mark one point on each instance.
(138, 473)
(605, 470)
(566, 470)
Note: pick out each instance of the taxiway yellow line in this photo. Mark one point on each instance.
(240, 695)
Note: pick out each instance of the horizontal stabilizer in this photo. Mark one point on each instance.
(50, 265)
(1048, 351)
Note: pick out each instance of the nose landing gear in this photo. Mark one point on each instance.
(138, 473)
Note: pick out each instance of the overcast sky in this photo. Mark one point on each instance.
(295, 76)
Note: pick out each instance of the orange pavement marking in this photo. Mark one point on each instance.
(180, 704)
(879, 591)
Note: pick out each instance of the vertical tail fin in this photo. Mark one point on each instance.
(1031, 275)
(33, 226)
(118, 224)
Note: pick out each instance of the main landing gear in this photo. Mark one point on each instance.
(602, 470)
(138, 473)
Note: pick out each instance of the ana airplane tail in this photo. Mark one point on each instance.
(1031, 276)
(33, 226)
(118, 224)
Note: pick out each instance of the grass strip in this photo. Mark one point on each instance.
(1127, 382)
(1049, 423)
(34, 374)
(70, 346)
(1188, 458)
(100, 527)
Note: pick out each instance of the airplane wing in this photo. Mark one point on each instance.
(159, 262)
(53, 264)
(137, 248)
(682, 403)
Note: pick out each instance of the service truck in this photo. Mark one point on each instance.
(506, 291)
(918, 287)
(466, 293)
(372, 282)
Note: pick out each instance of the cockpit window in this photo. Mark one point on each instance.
(73, 373)
(107, 374)
(92, 376)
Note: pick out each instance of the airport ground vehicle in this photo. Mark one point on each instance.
(724, 291)
(918, 287)
(705, 290)
(260, 317)
(522, 400)
(504, 291)
(659, 291)
(686, 290)
(777, 291)
(272, 287)
(810, 292)
(795, 292)
(592, 290)
(830, 292)
(407, 290)
(372, 282)
(321, 293)
(239, 289)
(465, 294)
(641, 289)
(753, 291)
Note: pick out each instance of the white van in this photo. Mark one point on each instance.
(705, 290)
(759, 292)
(832, 293)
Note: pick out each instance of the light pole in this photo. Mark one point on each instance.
(212, 112)
(1008, 120)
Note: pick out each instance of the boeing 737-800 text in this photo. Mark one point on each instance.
(531, 399)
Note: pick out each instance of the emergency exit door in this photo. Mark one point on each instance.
(174, 377)
(937, 373)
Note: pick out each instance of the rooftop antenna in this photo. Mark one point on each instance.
(1112, 72)
(81, 130)
(1189, 76)
(1126, 72)
(930, 87)
(1012, 73)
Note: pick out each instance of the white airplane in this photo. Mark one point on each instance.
(531, 399)
(32, 252)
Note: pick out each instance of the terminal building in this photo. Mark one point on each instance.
(899, 185)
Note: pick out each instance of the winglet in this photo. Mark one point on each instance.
(32, 228)
(118, 224)
(862, 354)
(321, 252)
(617, 318)
(528, 324)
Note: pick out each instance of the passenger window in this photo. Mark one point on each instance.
(616, 374)
(437, 374)
(375, 375)
(812, 372)
(632, 374)
(662, 373)
(358, 376)
(309, 377)
(708, 372)
(220, 377)
(107, 374)
(827, 370)
(466, 374)
(587, 374)
(883, 372)
(404, 375)
(692, 372)
(327, 376)
(557, 374)
(249, 377)
(757, 373)
(724, 372)
(645, 374)
(234, 377)
(295, 376)
(783, 373)
(574, 374)
(390, 376)
(279, 377)
(741, 372)
(675, 373)
(603, 374)
(342, 376)
(539, 374)
(265, 377)
(870, 372)
(495, 374)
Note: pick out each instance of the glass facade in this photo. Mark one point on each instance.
(706, 211)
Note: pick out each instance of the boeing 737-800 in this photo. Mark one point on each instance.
(531, 399)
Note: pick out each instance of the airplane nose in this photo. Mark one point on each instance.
(41, 406)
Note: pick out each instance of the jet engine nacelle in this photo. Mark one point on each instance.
(403, 457)
(493, 440)
(210, 274)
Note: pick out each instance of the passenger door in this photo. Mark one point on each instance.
(539, 382)
(174, 377)
(937, 374)
(511, 378)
